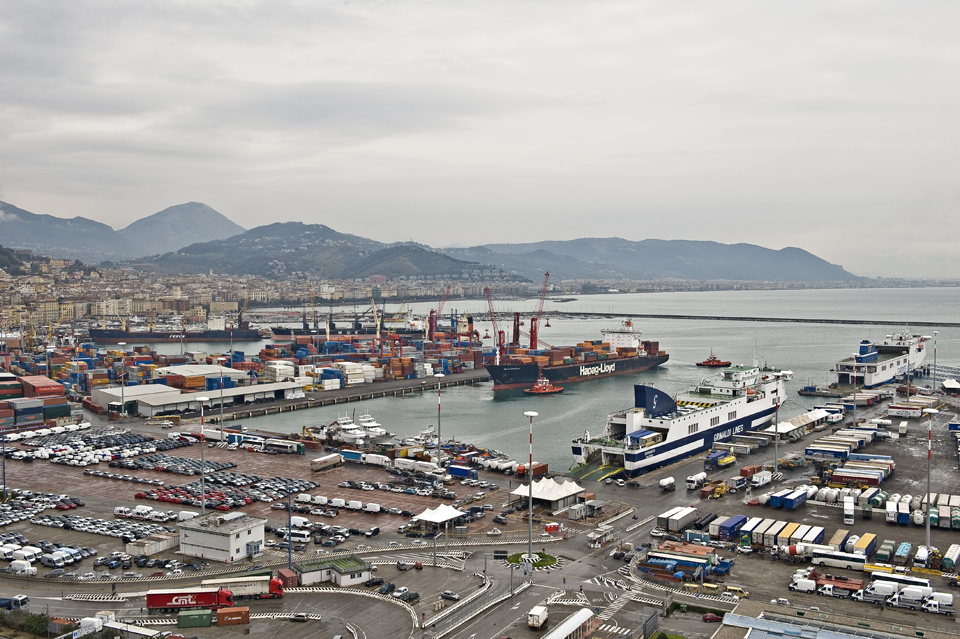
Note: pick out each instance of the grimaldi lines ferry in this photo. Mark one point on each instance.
(620, 352)
(881, 363)
(660, 429)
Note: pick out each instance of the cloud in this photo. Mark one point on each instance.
(737, 121)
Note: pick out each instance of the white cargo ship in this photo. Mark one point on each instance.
(880, 363)
(660, 429)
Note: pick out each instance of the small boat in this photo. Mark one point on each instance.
(543, 387)
(713, 362)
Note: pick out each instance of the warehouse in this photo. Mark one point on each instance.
(219, 536)
(157, 399)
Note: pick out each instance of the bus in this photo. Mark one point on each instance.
(904, 580)
(838, 559)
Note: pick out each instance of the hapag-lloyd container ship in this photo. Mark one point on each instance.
(619, 353)
(660, 429)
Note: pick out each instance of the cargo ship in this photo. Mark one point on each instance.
(620, 352)
(117, 335)
(659, 429)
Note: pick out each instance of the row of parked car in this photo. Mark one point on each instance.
(127, 531)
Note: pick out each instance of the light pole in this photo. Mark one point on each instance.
(855, 356)
(123, 370)
(531, 414)
(439, 377)
(221, 397)
(931, 412)
(203, 468)
(935, 333)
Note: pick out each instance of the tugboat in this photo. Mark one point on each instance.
(713, 362)
(543, 387)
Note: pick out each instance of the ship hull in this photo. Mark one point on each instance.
(281, 334)
(115, 336)
(638, 463)
(514, 376)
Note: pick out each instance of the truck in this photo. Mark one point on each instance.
(877, 592)
(694, 482)
(849, 512)
(718, 459)
(730, 529)
(795, 499)
(762, 478)
(911, 597)
(776, 499)
(940, 603)
(736, 483)
(327, 461)
(539, 469)
(668, 483)
(464, 472)
(537, 617)
(261, 587)
(833, 590)
(354, 456)
(696, 536)
(682, 520)
(903, 553)
(371, 459)
(20, 602)
(176, 599)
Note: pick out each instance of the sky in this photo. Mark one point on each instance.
(829, 126)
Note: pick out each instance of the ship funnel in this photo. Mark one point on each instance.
(655, 402)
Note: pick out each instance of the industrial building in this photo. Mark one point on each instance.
(220, 536)
(343, 571)
(156, 399)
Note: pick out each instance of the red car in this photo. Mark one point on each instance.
(712, 618)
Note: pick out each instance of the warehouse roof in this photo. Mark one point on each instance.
(174, 397)
(199, 370)
(219, 522)
(343, 565)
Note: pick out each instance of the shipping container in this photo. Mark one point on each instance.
(770, 536)
(776, 499)
(814, 536)
(194, 619)
(233, 616)
(290, 578)
(682, 520)
(714, 527)
(730, 529)
(866, 545)
(783, 537)
(798, 534)
(760, 530)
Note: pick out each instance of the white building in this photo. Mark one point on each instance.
(343, 571)
(219, 536)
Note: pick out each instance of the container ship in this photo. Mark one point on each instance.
(215, 331)
(660, 429)
(620, 352)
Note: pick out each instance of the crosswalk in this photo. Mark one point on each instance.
(614, 607)
(614, 629)
(607, 582)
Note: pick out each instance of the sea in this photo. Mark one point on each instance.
(477, 415)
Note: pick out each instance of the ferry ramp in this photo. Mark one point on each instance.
(595, 472)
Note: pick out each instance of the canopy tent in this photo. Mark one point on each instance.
(441, 514)
(550, 490)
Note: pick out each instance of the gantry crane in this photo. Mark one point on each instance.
(435, 316)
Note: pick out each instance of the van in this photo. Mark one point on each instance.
(371, 508)
(303, 498)
(66, 557)
(186, 515)
(354, 505)
(51, 561)
(22, 568)
(297, 536)
(319, 500)
(373, 532)
(299, 522)
(738, 591)
(337, 503)
(803, 585)
(6, 553)
(75, 554)
(121, 511)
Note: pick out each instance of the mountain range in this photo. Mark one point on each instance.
(286, 249)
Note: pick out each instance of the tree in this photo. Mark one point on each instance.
(16, 619)
(37, 624)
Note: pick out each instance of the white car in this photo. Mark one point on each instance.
(494, 532)
(401, 591)
(419, 542)
(780, 601)
(729, 596)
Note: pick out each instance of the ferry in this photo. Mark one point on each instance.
(660, 429)
(880, 363)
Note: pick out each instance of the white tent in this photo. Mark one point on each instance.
(549, 490)
(440, 514)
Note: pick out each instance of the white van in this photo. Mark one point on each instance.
(22, 568)
(298, 536)
(320, 500)
(337, 503)
(303, 498)
(186, 515)
(354, 505)
(299, 522)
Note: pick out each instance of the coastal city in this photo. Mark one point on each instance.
(419, 320)
(690, 513)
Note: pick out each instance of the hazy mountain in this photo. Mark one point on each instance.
(173, 227)
(652, 259)
(10, 263)
(74, 238)
(293, 248)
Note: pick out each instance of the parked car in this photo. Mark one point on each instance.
(449, 594)
(712, 618)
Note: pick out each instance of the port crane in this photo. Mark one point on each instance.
(435, 316)
(535, 320)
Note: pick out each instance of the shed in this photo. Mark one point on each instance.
(343, 571)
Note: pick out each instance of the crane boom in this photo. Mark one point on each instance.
(499, 336)
(535, 320)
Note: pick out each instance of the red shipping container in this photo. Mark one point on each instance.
(6, 412)
(749, 471)
(290, 578)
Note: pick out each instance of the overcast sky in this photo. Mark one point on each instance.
(830, 126)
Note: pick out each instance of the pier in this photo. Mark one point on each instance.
(783, 320)
(316, 399)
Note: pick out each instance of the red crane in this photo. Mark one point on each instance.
(499, 337)
(535, 320)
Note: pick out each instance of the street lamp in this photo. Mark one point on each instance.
(203, 465)
(439, 377)
(123, 370)
(931, 412)
(935, 333)
(531, 414)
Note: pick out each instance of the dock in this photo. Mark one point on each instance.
(317, 399)
(728, 318)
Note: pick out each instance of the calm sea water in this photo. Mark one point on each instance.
(480, 416)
